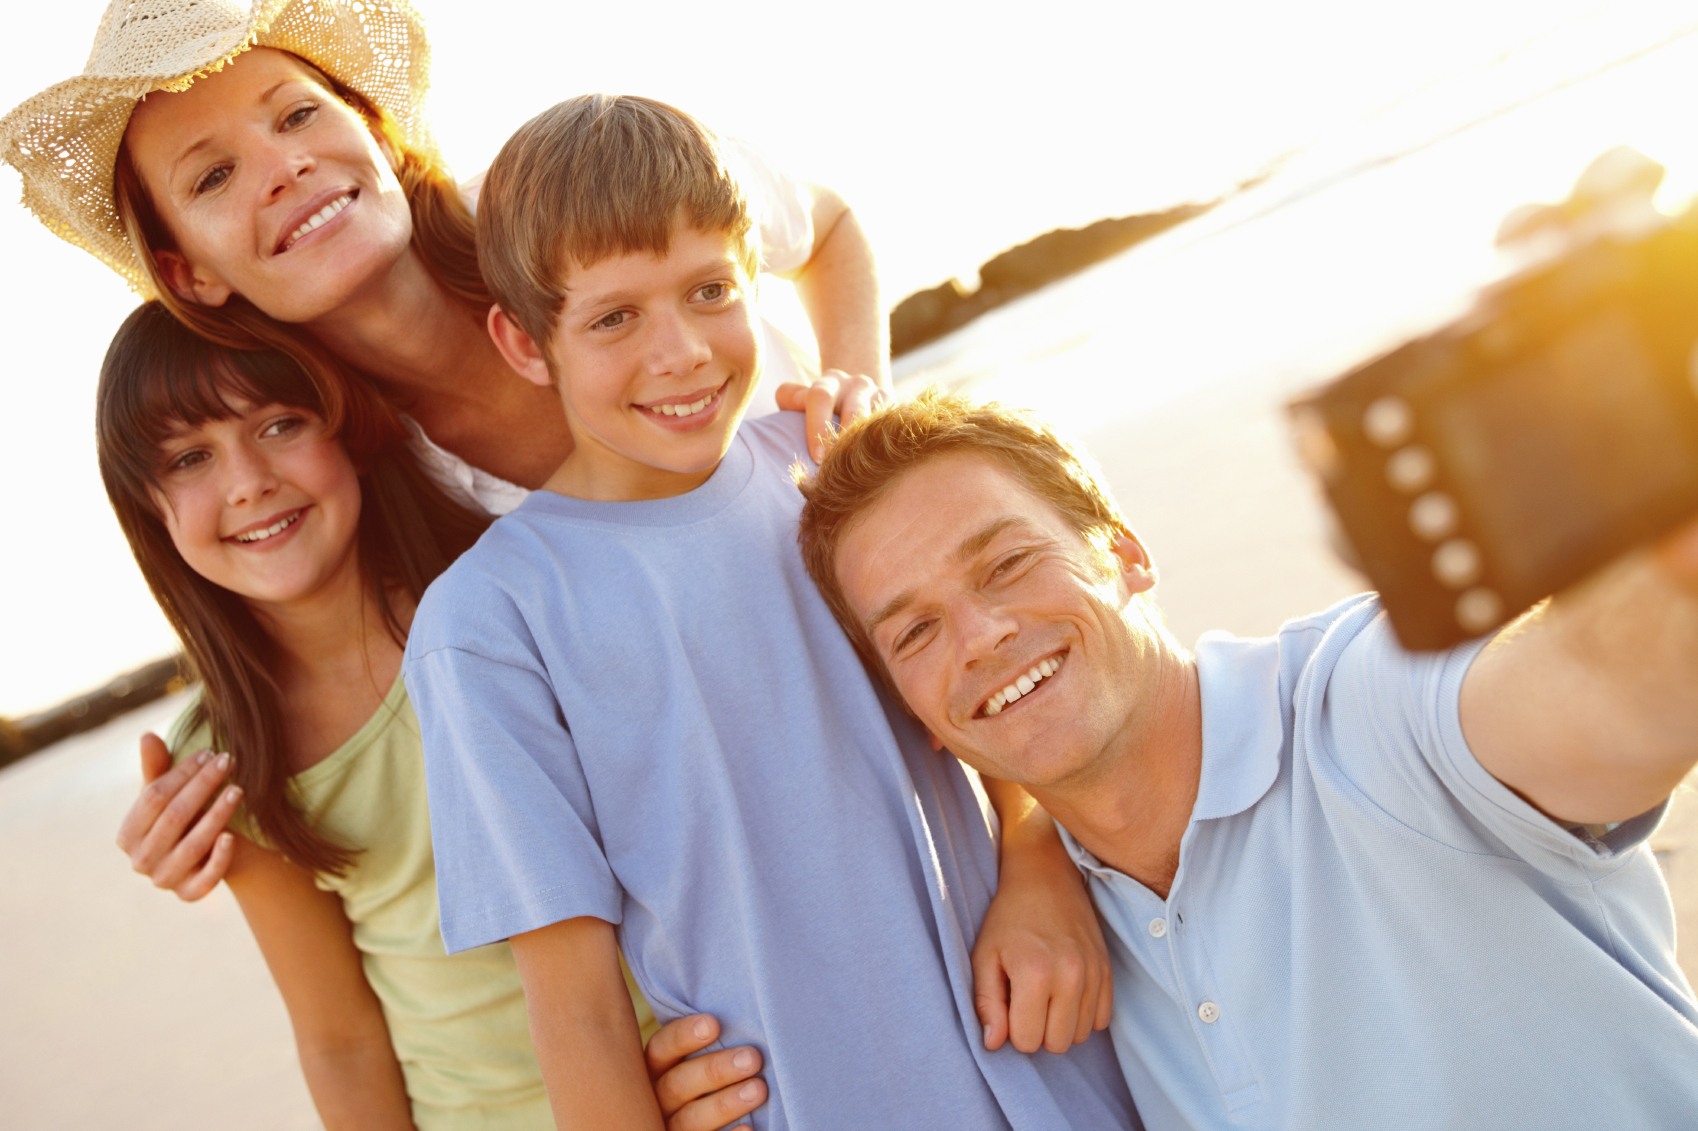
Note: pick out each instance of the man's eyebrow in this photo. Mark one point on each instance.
(970, 546)
(973, 544)
(889, 609)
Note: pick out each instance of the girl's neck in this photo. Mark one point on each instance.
(334, 659)
(433, 359)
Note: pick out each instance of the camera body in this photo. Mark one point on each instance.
(1482, 468)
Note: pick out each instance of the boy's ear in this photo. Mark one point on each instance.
(518, 348)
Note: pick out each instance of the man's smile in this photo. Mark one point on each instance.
(1023, 685)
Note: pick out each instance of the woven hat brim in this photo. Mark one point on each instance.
(65, 140)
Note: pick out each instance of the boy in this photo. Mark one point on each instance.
(637, 711)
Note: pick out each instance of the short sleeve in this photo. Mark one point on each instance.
(1392, 723)
(782, 205)
(516, 841)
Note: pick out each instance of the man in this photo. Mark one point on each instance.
(1344, 885)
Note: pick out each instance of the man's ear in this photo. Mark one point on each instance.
(1136, 570)
(518, 348)
(190, 283)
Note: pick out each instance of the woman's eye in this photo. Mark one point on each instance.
(300, 116)
(211, 179)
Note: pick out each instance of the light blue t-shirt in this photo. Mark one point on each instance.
(1368, 930)
(644, 712)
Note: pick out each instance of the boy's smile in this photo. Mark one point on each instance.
(655, 357)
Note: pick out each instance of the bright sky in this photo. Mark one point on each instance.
(953, 134)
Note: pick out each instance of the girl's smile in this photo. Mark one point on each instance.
(264, 503)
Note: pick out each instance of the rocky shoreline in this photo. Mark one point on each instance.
(930, 314)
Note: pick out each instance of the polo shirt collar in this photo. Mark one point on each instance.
(1243, 723)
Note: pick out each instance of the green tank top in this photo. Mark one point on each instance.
(457, 1022)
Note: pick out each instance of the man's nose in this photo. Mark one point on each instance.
(981, 627)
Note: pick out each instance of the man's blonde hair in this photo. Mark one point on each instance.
(875, 451)
(598, 175)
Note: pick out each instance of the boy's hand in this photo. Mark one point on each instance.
(834, 393)
(1041, 976)
(152, 834)
(700, 1093)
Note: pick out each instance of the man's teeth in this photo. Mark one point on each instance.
(277, 527)
(317, 219)
(1036, 674)
(684, 409)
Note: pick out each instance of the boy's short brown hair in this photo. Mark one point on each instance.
(877, 450)
(598, 175)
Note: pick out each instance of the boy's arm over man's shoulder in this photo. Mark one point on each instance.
(516, 840)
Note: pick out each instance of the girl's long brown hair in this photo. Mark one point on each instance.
(159, 376)
(444, 235)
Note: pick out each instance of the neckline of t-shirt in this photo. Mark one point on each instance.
(339, 759)
(723, 486)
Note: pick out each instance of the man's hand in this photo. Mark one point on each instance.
(700, 1093)
(834, 393)
(1588, 705)
(153, 831)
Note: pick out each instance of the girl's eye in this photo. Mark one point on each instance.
(283, 426)
(186, 460)
(211, 179)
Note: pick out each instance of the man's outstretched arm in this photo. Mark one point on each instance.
(1588, 706)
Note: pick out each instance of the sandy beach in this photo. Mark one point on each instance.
(129, 1008)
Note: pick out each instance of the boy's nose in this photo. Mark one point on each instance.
(676, 347)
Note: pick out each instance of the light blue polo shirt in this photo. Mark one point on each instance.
(1368, 930)
(645, 712)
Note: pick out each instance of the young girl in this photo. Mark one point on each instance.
(288, 533)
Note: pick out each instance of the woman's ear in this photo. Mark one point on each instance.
(188, 283)
(518, 348)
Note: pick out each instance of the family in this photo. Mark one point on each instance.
(593, 735)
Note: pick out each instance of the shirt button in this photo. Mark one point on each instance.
(1208, 1013)
(1158, 927)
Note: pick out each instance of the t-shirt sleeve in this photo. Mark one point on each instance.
(513, 827)
(1395, 727)
(782, 205)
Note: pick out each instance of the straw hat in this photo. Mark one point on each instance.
(65, 140)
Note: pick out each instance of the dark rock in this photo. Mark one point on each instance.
(138, 688)
(930, 314)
